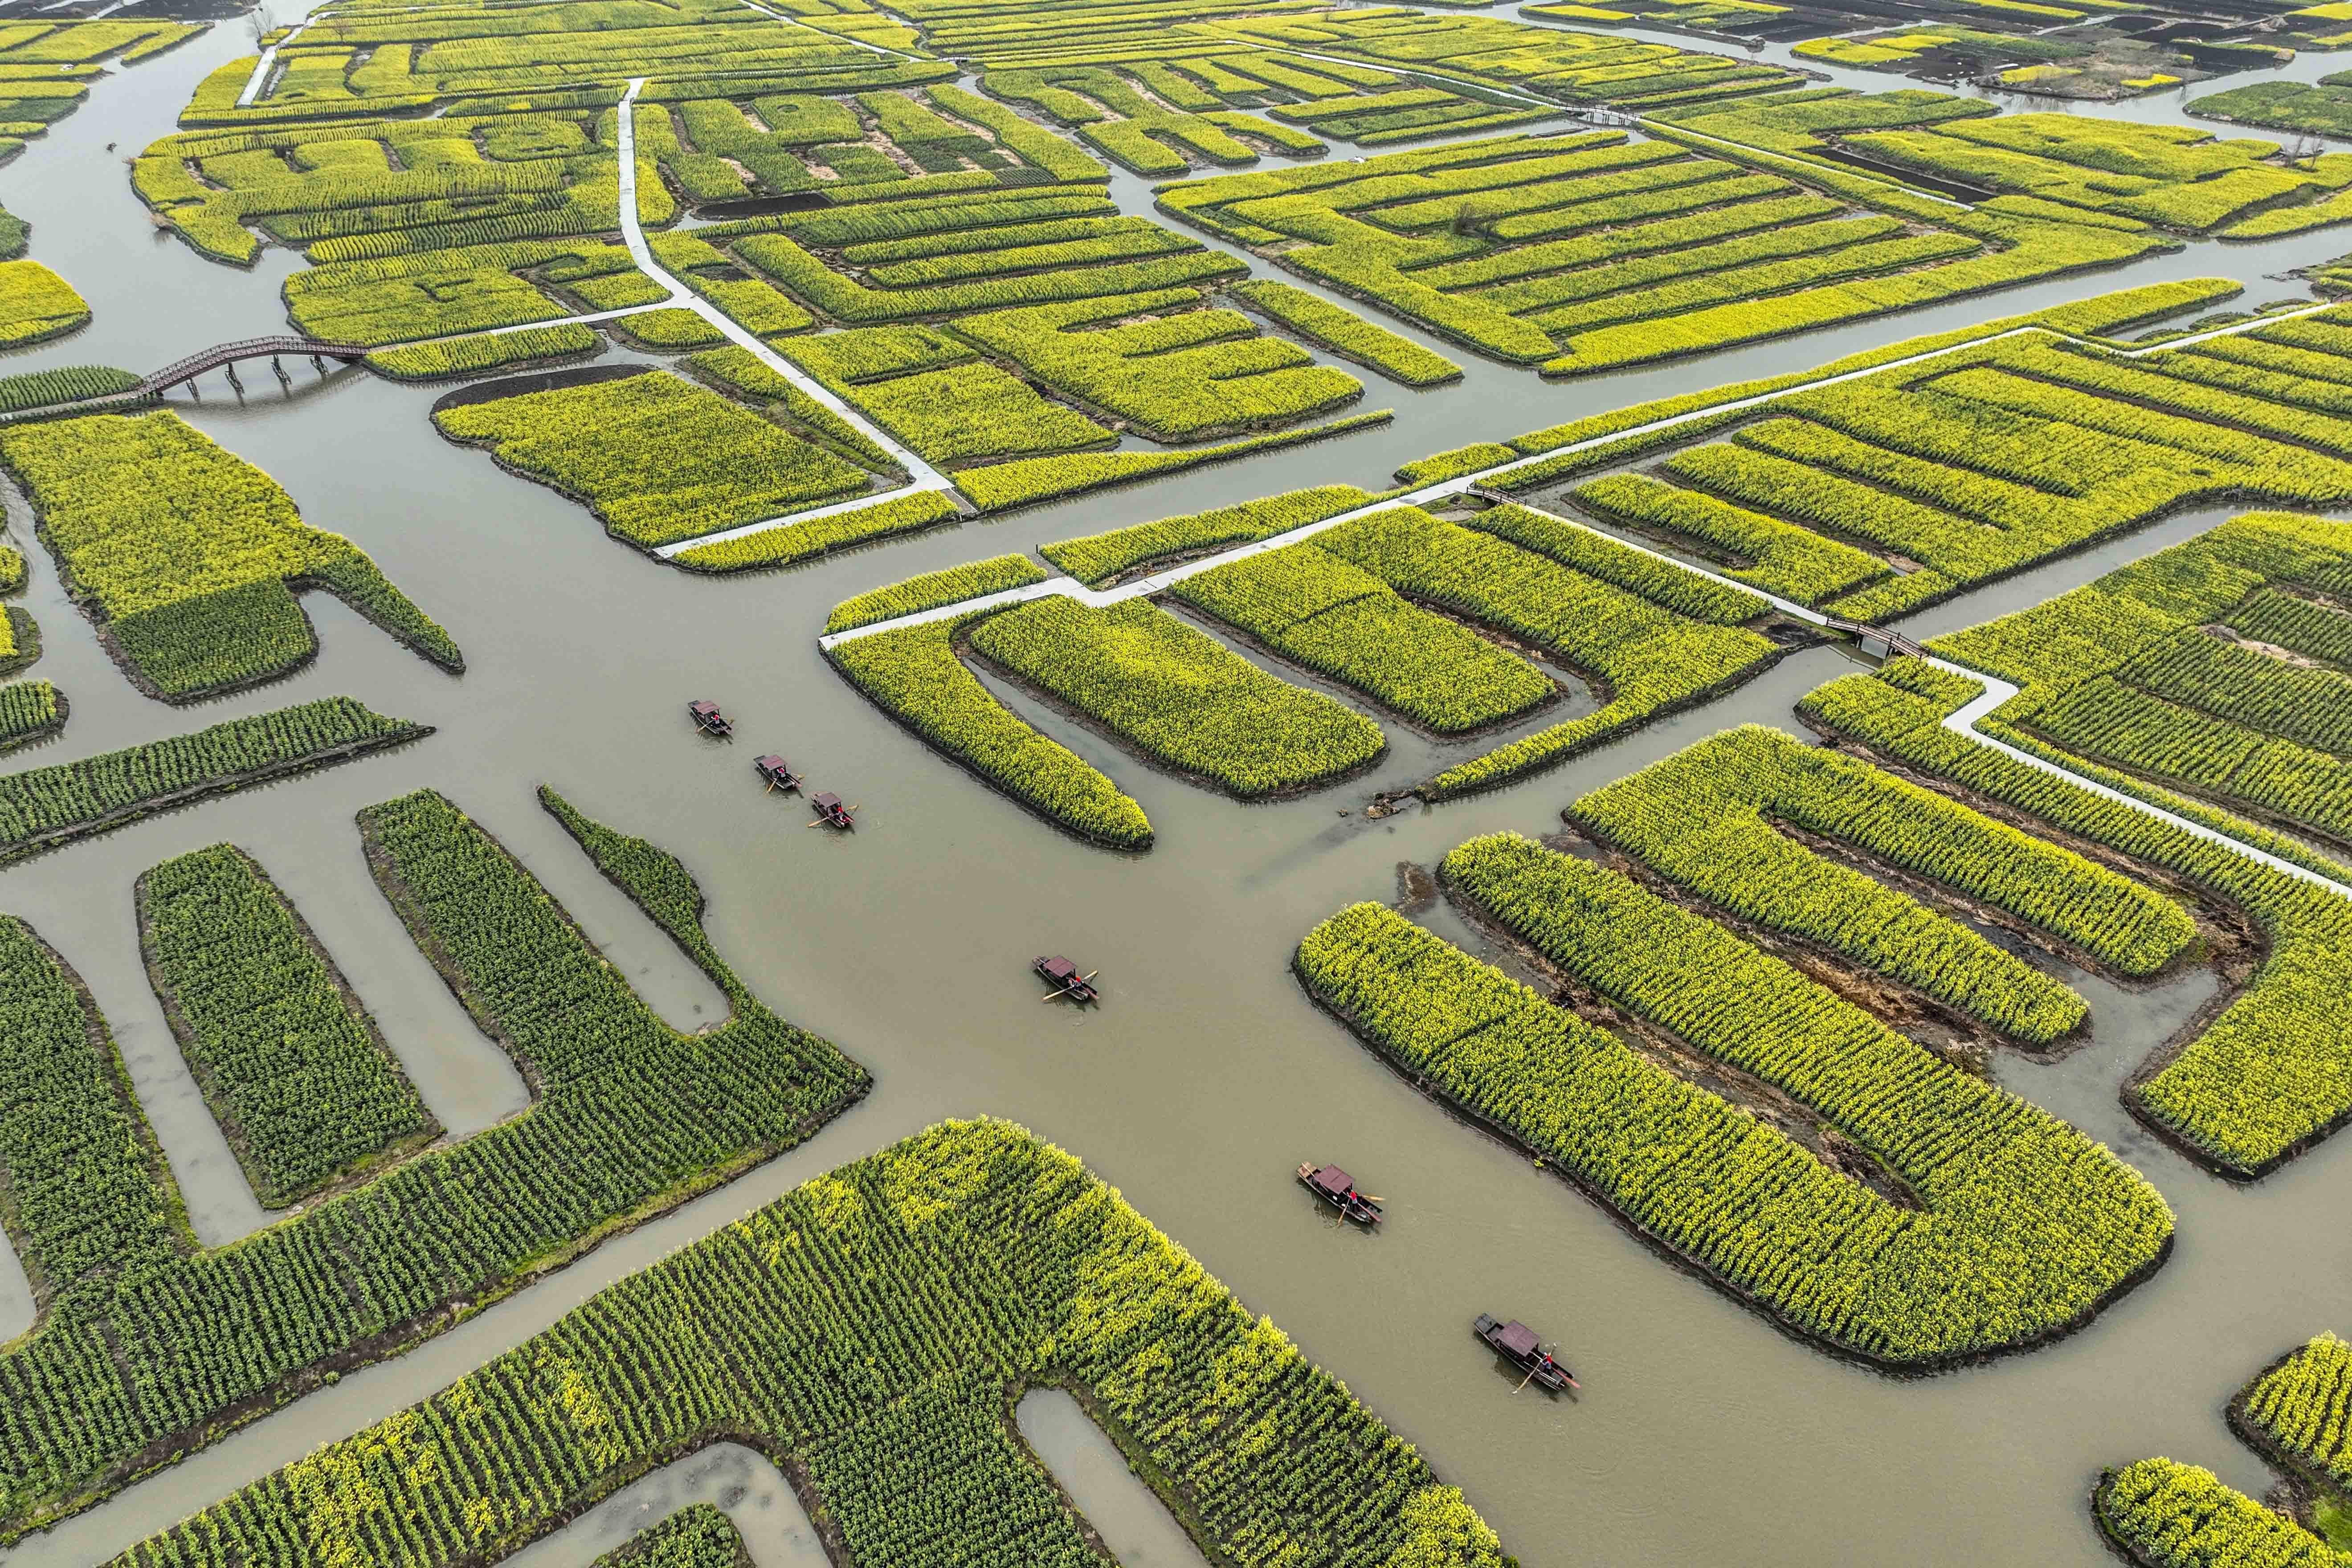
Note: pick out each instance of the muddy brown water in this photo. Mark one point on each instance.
(1703, 1434)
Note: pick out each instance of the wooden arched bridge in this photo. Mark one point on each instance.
(183, 370)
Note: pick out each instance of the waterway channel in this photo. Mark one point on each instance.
(1703, 1434)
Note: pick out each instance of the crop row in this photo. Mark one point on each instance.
(631, 1117)
(739, 369)
(2165, 1514)
(871, 1327)
(44, 806)
(912, 673)
(292, 1067)
(1778, 557)
(29, 711)
(1596, 555)
(1145, 371)
(2288, 701)
(2024, 1225)
(1704, 817)
(792, 542)
(977, 411)
(36, 304)
(658, 459)
(459, 358)
(1180, 696)
(1310, 607)
(2271, 1072)
(1095, 559)
(1002, 486)
(933, 589)
(1349, 335)
(186, 552)
(1647, 658)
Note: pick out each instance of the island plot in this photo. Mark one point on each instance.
(148, 1345)
(1437, 621)
(2163, 1514)
(1862, 1189)
(872, 1331)
(185, 557)
(2273, 1072)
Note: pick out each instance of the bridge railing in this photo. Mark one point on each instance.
(246, 348)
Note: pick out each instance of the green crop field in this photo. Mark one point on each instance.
(290, 1062)
(1586, 252)
(187, 554)
(621, 1122)
(2023, 1225)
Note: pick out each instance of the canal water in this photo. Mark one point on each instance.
(1703, 1434)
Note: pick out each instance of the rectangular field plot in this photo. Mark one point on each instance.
(1586, 252)
(871, 1329)
(1873, 496)
(1437, 622)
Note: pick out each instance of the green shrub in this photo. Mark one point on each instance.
(188, 551)
(1309, 605)
(912, 673)
(659, 460)
(1178, 696)
(293, 1068)
(2024, 1229)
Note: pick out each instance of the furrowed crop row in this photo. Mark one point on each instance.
(630, 1117)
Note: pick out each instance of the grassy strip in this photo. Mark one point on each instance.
(933, 589)
(1311, 606)
(2025, 1227)
(1171, 373)
(789, 542)
(188, 553)
(42, 388)
(658, 459)
(1598, 555)
(292, 1067)
(1349, 335)
(1706, 817)
(1178, 696)
(460, 357)
(1094, 559)
(1650, 658)
(1002, 486)
(2272, 1073)
(913, 675)
(43, 807)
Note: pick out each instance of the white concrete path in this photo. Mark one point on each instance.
(633, 234)
(261, 68)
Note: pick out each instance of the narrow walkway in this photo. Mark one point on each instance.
(261, 68)
(633, 234)
(1964, 722)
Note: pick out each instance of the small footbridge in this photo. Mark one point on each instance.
(181, 371)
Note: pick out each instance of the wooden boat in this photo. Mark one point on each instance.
(1335, 1187)
(1064, 978)
(1516, 1343)
(772, 769)
(830, 812)
(708, 719)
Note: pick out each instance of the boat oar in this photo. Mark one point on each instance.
(1526, 1380)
